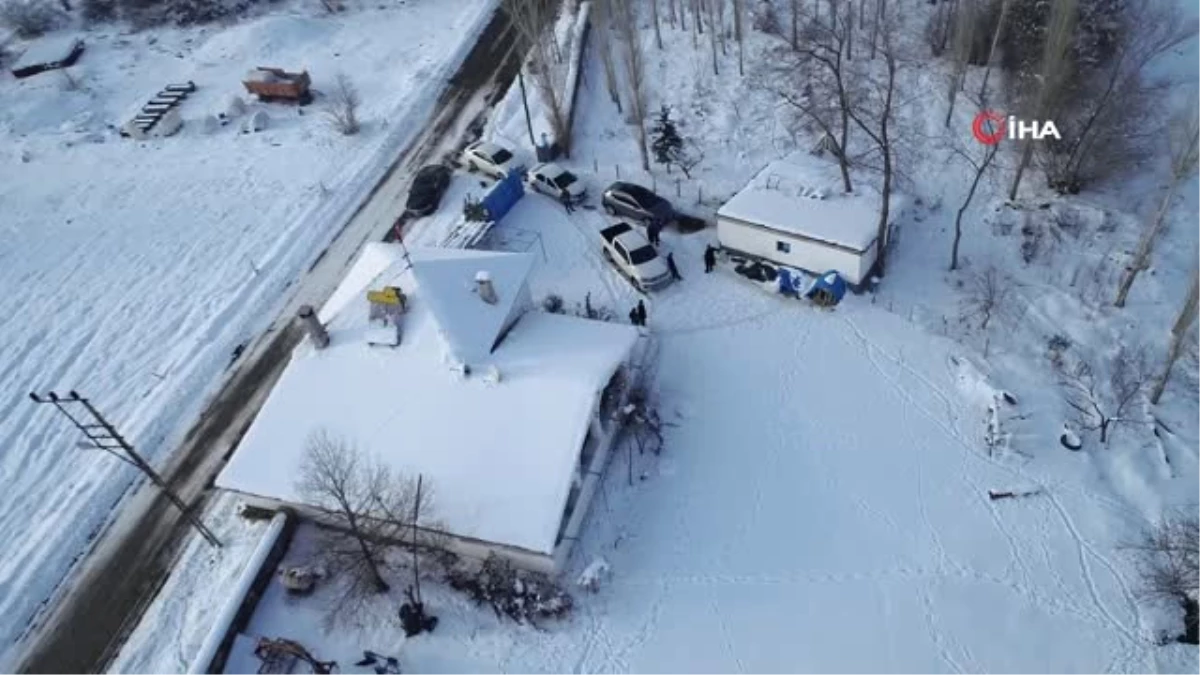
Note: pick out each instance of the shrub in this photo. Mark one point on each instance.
(29, 18)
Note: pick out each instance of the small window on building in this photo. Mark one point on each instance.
(783, 247)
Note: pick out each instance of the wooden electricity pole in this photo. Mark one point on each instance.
(104, 436)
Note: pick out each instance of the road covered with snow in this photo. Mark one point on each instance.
(138, 267)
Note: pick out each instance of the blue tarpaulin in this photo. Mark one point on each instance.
(827, 290)
(504, 194)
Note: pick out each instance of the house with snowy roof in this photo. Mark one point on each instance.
(437, 364)
(795, 213)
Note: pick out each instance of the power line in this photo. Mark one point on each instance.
(104, 436)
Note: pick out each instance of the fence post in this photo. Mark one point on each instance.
(678, 188)
(653, 183)
(595, 166)
(618, 166)
(699, 194)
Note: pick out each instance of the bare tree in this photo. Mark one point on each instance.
(343, 106)
(626, 23)
(1185, 149)
(980, 166)
(939, 28)
(602, 36)
(1055, 72)
(1103, 119)
(991, 55)
(873, 115)
(987, 296)
(1103, 405)
(961, 43)
(369, 505)
(737, 33)
(657, 28)
(795, 25)
(822, 92)
(713, 31)
(1168, 560)
(532, 20)
(1179, 331)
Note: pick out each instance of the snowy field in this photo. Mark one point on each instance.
(137, 267)
(822, 500)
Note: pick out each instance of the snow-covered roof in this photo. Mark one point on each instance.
(48, 49)
(803, 195)
(469, 325)
(499, 455)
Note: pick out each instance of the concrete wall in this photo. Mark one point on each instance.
(251, 585)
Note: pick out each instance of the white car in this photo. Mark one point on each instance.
(554, 181)
(489, 158)
(634, 257)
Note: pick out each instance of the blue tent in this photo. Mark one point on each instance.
(827, 290)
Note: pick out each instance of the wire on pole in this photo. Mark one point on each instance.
(104, 436)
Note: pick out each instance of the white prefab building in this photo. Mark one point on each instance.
(496, 405)
(794, 213)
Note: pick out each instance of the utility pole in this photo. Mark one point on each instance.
(104, 436)
(525, 103)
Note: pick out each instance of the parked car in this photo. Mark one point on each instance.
(554, 181)
(489, 158)
(634, 201)
(427, 189)
(634, 257)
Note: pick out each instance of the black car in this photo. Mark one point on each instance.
(427, 189)
(635, 201)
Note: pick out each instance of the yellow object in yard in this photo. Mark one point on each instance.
(390, 295)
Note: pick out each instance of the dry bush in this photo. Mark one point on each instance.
(1168, 561)
(522, 596)
(342, 112)
(1101, 403)
(29, 18)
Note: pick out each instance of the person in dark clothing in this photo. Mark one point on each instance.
(634, 317)
(565, 198)
(671, 266)
(641, 310)
(653, 230)
(710, 258)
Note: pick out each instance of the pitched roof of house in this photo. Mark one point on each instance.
(499, 456)
(447, 278)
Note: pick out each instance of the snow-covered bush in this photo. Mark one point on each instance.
(343, 106)
(522, 596)
(29, 18)
(553, 303)
(1168, 559)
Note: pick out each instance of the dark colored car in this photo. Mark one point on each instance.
(635, 201)
(427, 189)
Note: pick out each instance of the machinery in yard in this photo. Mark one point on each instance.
(277, 84)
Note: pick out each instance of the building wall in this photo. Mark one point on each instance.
(806, 254)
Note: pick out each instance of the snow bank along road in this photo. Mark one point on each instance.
(112, 585)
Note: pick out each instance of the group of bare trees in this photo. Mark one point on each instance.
(533, 24)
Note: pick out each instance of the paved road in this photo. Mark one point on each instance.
(111, 588)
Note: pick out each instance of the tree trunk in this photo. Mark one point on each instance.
(718, 21)
(879, 10)
(657, 28)
(1026, 155)
(987, 70)
(849, 30)
(795, 25)
(737, 33)
(979, 171)
(1141, 259)
(712, 36)
(1184, 321)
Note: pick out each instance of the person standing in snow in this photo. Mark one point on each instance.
(565, 198)
(634, 316)
(710, 258)
(641, 310)
(653, 231)
(671, 266)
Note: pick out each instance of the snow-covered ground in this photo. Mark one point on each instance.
(185, 615)
(132, 269)
(822, 499)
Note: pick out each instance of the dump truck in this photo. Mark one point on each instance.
(277, 84)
